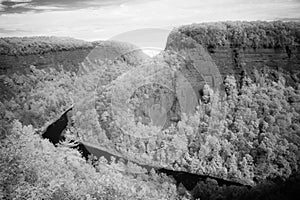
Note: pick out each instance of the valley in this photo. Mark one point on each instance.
(216, 115)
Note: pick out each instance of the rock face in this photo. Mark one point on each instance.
(244, 46)
(235, 60)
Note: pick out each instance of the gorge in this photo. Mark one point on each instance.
(217, 110)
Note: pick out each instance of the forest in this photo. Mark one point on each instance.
(256, 34)
(247, 132)
(39, 45)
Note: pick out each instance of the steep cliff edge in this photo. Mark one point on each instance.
(244, 46)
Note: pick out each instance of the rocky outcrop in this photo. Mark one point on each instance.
(244, 46)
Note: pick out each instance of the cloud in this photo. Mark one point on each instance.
(2, 7)
(19, 1)
(21, 6)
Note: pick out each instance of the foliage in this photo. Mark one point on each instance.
(256, 34)
(32, 168)
(244, 135)
(16, 46)
(37, 97)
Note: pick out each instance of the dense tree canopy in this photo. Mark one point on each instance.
(38, 45)
(257, 34)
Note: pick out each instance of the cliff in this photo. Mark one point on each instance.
(243, 46)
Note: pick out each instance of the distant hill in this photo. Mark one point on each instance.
(17, 54)
(17, 46)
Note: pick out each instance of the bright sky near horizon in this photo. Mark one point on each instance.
(103, 19)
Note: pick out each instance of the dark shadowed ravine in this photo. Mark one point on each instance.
(54, 130)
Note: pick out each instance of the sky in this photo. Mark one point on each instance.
(105, 19)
